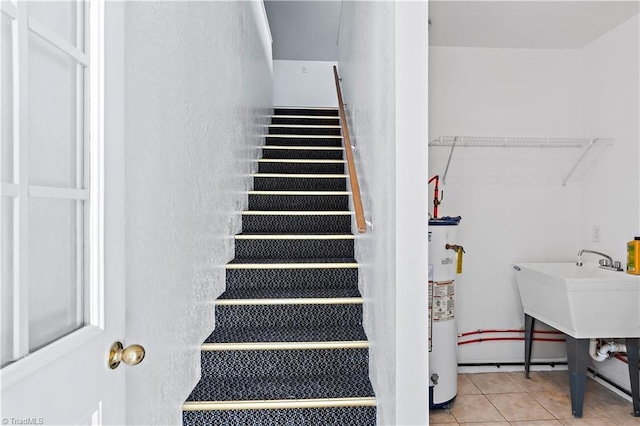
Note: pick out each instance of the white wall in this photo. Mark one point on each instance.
(512, 202)
(304, 83)
(198, 96)
(377, 65)
(611, 192)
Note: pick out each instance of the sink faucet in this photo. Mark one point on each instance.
(606, 263)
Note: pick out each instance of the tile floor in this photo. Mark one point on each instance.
(509, 399)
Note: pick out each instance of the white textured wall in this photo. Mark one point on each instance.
(199, 89)
(304, 83)
(384, 85)
(366, 46)
(611, 191)
(512, 202)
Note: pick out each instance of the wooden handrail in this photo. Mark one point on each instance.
(351, 165)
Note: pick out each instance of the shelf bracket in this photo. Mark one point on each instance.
(446, 169)
(575, 166)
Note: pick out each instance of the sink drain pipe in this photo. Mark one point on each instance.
(605, 350)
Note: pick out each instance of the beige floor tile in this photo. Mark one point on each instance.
(559, 404)
(538, 381)
(490, 383)
(519, 407)
(466, 386)
(621, 416)
(475, 408)
(439, 416)
(595, 421)
(485, 424)
(537, 423)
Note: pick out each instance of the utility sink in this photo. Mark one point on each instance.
(581, 301)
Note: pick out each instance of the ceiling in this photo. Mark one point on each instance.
(308, 29)
(525, 24)
(305, 30)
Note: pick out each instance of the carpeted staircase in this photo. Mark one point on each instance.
(288, 346)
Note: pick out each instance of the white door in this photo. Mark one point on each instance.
(62, 204)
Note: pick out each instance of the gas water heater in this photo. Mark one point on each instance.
(445, 260)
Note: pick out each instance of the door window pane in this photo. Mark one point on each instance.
(55, 297)
(57, 16)
(6, 94)
(6, 274)
(52, 115)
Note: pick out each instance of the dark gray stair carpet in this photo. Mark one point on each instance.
(288, 346)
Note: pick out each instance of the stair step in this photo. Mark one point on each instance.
(277, 413)
(292, 335)
(289, 275)
(302, 152)
(301, 166)
(283, 313)
(250, 362)
(303, 140)
(300, 129)
(293, 246)
(306, 119)
(296, 221)
(282, 296)
(299, 182)
(306, 111)
(299, 200)
(304, 387)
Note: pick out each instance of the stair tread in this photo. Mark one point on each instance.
(289, 293)
(281, 234)
(302, 334)
(277, 388)
(310, 260)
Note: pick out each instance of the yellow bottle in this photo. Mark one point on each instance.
(633, 256)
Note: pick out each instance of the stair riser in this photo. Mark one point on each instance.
(299, 184)
(288, 315)
(298, 202)
(284, 130)
(292, 278)
(283, 363)
(304, 111)
(307, 168)
(307, 121)
(296, 223)
(293, 249)
(303, 141)
(336, 416)
(302, 154)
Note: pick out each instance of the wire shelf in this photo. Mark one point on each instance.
(583, 144)
(511, 142)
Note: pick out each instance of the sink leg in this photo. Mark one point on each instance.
(578, 357)
(529, 323)
(634, 378)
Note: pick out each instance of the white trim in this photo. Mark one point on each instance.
(319, 117)
(301, 161)
(13, 373)
(21, 170)
(299, 175)
(295, 237)
(9, 9)
(266, 20)
(278, 346)
(296, 213)
(308, 126)
(9, 190)
(292, 265)
(291, 301)
(58, 193)
(58, 42)
(368, 401)
(307, 108)
(298, 136)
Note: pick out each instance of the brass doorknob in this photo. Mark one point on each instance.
(131, 355)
